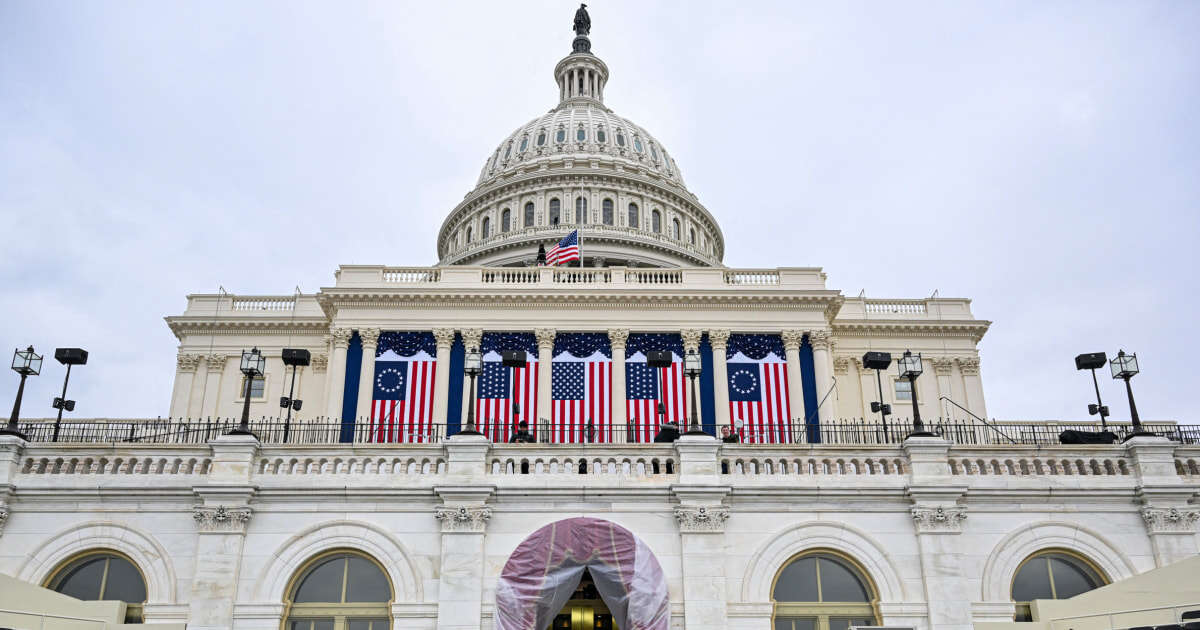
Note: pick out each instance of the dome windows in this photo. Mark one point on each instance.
(529, 214)
(555, 211)
(581, 134)
(653, 153)
(508, 150)
(606, 211)
(637, 144)
(692, 235)
(675, 229)
(505, 220)
(541, 138)
(524, 144)
(656, 221)
(560, 136)
(601, 136)
(621, 139)
(468, 235)
(634, 220)
(580, 209)
(486, 229)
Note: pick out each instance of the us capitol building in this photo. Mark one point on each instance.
(373, 504)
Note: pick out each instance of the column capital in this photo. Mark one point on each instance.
(841, 365)
(545, 338)
(463, 518)
(792, 339)
(719, 338)
(187, 362)
(341, 337)
(443, 337)
(1170, 520)
(691, 338)
(820, 339)
(472, 337)
(942, 366)
(320, 363)
(968, 365)
(369, 337)
(939, 519)
(215, 362)
(618, 337)
(703, 519)
(222, 519)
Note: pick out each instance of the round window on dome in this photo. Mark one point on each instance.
(637, 144)
(561, 136)
(581, 134)
(620, 139)
(601, 137)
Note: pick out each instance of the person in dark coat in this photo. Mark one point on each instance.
(729, 437)
(668, 433)
(522, 434)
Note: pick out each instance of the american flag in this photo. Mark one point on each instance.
(758, 388)
(565, 251)
(500, 386)
(642, 396)
(581, 388)
(402, 395)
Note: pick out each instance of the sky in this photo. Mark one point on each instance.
(1041, 158)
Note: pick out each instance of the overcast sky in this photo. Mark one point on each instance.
(1041, 158)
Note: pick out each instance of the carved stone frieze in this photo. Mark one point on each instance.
(215, 362)
(187, 362)
(702, 519)
(792, 339)
(340, 337)
(320, 363)
(222, 519)
(369, 337)
(545, 338)
(968, 365)
(820, 339)
(939, 519)
(463, 518)
(841, 365)
(3, 517)
(1170, 520)
(618, 337)
(942, 366)
(719, 338)
(691, 339)
(443, 337)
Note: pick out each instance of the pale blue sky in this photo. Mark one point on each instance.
(1041, 158)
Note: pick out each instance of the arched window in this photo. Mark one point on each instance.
(580, 209)
(656, 221)
(555, 211)
(468, 235)
(633, 216)
(507, 150)
(524, 144)
(102, 575)
(692, 235)
(580, 134)
(606, 210)
(560, 136)
(675, 234)
(486, 228)
(541, 138)
(620, 139)
(637, 144)
(822, 590)
(1053, 574)
(529, 214)
(601, 137)
(339, 591)
(654, 152)
(505, 220)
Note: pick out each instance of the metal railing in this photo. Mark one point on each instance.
(852, 432)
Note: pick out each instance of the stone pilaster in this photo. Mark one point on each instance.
(545, 343)
(366, 374)
(792, 340)
(444, 339)
(719, 339)
(972, 385)
(618, 337)
(1169, 517)
(464, 516)
(214, 366)
(12, 448)
(186, 365)
(937, 523)
(701, 518)
(339, 339)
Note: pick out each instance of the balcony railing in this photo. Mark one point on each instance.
(322, 431)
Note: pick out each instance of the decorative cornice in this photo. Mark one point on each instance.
(320, 363)
(719, 338)
(443, 337)
(222, 519)
(820, 339)
(545, 338)
(369, 337)
(187, 362)
(971, 329)
(341, 337)
(472, 337)
(463, 518)
(1171, 520)
(941, 520)
(618, 337)
(702, 519)
(215, 362)
(968, 365)
(792, 339)
(691, 338)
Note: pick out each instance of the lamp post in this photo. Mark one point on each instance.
(879, 361)
(253, 364)
(26, 363)
(1093, 361)
(67, 357)
(909, 367)
(692, 368)
(1124, 367)
(472, 365)
(295, 357)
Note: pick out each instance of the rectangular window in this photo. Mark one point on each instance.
(258, 388)
(904, 390)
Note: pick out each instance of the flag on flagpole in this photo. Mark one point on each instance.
(565, 251)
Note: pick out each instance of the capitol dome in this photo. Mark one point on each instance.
(581, 166)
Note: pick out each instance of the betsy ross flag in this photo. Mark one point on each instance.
(402, 398)
(500, 386)
(643, 384)
(581, 389)
(758, 388)
(565, 251)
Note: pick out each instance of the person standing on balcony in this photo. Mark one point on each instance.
(522, 434)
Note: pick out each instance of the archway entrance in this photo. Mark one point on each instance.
(543, 580)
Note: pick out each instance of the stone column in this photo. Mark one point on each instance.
(792, 340)
(937, 521)
(849, 389)
(214, 368)
(545, 342)
(441, 378)
(822, 345)
(701, 518)
(617, 337)
(340, 338)
(719, 339)
(464, 516)
(1170, 519)
(221, 522)
(471, 337)
(972, 385)
(366, 373)
(185, 375)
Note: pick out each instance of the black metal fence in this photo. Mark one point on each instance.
(841, 433)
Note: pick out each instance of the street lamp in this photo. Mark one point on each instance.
(473, 365)
(253, 364)
(909, 367)
(26, 363)
(692, 368)
(67, 357)
(1093, 361)
(879, 361)
(1124, 366)
(296, 358)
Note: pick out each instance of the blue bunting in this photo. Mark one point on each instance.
(500, 341)
(644, 342)
(406, 344)
(756, 347)
(582, 345)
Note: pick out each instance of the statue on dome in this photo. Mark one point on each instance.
(583, 23)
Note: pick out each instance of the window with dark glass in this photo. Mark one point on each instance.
(637, 144)
(601, 137)
(505, 220)
(653, 153)
(486, 229)
(656, 222)
(1052, 574)
(541, 139)
(580, 209)
(692, 235)
(561, 136)
(524, 144)
(507, 150)
(822, 591)
(606, 210)
(581, 134)
(620, 139)
(468, 235)
(555, 211)
(340, 591)
(529, 214)
(258, 387)
(633, 215)
(102, 575)
(675, 229)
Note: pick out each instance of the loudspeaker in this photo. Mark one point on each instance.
(513, 358)
(1090, 361)
(877, 360)
(71, 356)
(658, 358)
(296, 356)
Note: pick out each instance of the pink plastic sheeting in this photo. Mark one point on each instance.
(545, 570)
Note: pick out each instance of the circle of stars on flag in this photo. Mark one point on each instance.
(389, 380)
(744, 381)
